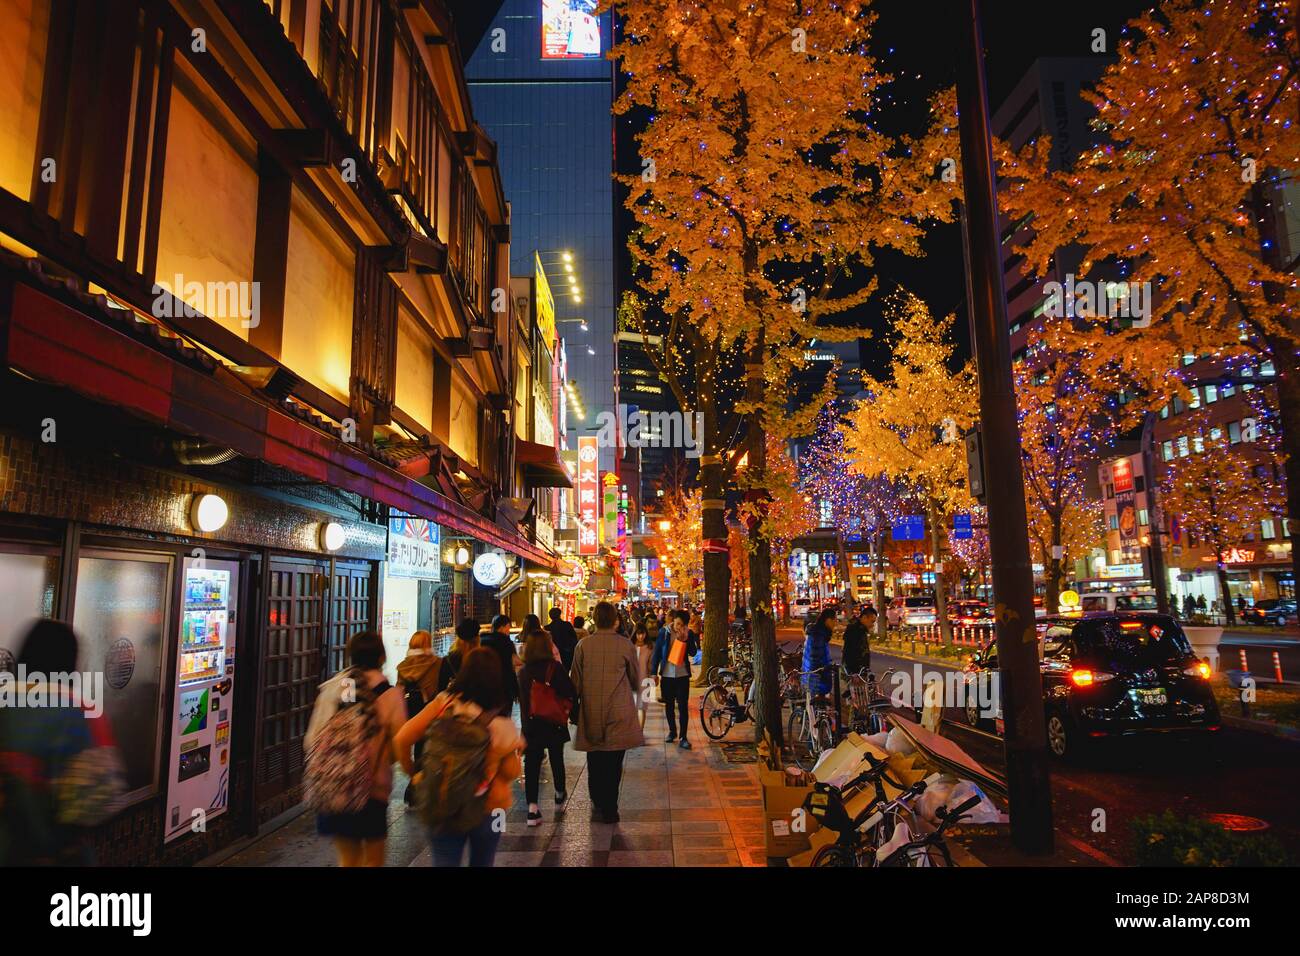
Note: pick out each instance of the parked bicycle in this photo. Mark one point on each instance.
(868, 700)
(810, 727)
(729, 701)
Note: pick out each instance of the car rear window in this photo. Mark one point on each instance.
(918, 602)
(1138, 644)
(1135, 602)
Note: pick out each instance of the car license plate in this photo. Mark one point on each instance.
(1153, 697)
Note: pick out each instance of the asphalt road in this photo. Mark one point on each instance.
(1232, 771)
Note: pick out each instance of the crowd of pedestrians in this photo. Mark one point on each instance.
(450, 723)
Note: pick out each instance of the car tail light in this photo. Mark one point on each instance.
(1086, 678)
(1199, 669)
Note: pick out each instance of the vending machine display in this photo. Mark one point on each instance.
(199, 782)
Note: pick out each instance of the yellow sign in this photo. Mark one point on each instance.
(545, 306)
(1069, 599)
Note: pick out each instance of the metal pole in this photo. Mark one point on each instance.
(1156, 550)
(1028, 783)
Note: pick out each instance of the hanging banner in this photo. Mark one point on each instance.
(609, 510)
(414, 549)
(588, 495)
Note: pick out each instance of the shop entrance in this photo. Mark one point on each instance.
(312, 608)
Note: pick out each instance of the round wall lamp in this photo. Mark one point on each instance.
(332, 536)
(462, 556)
(208, 513)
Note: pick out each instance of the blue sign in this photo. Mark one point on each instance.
(918, 558)
(961, 526)
(909, 528)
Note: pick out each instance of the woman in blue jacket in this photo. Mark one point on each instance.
(817, 652)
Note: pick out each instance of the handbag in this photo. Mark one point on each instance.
(545, 704)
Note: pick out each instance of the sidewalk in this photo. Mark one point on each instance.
(699, 807)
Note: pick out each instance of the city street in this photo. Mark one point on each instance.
(1198, 776)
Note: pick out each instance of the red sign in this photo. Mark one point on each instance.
(1121, 474)
(588, 495)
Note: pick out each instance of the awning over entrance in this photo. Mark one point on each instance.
(49, 340)
(542, 465)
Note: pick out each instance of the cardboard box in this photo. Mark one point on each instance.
(785, 833)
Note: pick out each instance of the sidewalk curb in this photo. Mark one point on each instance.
(1261, 727)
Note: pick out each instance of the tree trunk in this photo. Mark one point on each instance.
(940, 587)
(1052, 597)
(878, 585)
(717, 564)
(767, 684)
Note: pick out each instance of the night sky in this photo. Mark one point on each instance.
(917, 41)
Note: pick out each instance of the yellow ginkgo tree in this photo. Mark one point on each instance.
(766, 186)
(909, 427)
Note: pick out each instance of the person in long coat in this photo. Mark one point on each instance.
(606, 676)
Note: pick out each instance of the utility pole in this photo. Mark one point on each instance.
(1155, 518)
(1025, 737)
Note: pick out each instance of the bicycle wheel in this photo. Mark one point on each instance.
(797, 738)
(712, 676)
(823, 735)
(715, 715)
(834, 855)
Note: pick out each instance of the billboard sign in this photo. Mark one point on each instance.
(588, 495)
(570, 30)
(545, 305)
(414, 548)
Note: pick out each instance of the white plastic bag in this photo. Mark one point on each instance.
(983, 812)
(898, 743)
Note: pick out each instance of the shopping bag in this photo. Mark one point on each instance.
(677, 653)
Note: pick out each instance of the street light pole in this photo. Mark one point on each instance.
(1025, 738)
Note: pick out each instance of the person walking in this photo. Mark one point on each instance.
(60, 770)
(645, 649)
(417, 676)
(471, 759)
(546, 700)
(563, 636)
(671, 666)
(499, 640)
(605, 677)
(467, 640)
(359, 836)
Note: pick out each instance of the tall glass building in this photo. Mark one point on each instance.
(543, 89)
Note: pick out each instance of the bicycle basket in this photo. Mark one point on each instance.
(827, 805)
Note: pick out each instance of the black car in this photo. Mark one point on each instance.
(1112, 675)
(1274, 611)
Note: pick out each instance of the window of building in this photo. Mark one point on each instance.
(27, 591)
(1234, 432)
(1211, 394)
(1182, 446)
(1267, 529)
(121, 614)
(1143, 518)
(1167, 450)
(1228, 390)
(1114, 522)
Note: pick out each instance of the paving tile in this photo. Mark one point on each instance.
(644, 815)
(575, 858)
(658, 841)
(509, 859)
(706, 858)
(640, 858)
(703, 841)
(719, 827)
(698, 813)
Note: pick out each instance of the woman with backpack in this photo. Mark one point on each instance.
(471, 758)
(417, 675)
(352, 726)
(546, 698)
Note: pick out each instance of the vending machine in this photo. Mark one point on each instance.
(198, 783)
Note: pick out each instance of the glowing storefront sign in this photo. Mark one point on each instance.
(588, 495)
(570, 29)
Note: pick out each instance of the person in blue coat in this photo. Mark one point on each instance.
(817, 652)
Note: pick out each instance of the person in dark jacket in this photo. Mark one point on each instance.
(564, 637)
(857, 640)
(545, 739)
(817, 652)
(467, 632)
(500, 641)
(675, 679)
